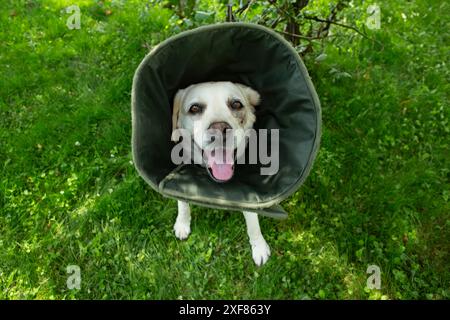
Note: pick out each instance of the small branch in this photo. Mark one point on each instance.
(282, 10)
(340, 25)
(244, 7)
(299, 36)
(295, 20)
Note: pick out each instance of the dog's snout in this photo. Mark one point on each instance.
(220, 126)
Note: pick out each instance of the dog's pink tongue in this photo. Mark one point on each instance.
(221, 163)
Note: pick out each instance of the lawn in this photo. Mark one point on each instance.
(378, 193)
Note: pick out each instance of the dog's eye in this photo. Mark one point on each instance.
(195, 108)
(236, 105)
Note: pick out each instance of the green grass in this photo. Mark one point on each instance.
(69, 194)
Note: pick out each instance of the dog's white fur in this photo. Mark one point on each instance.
(215, 97)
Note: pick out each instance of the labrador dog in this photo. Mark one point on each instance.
(207, 111)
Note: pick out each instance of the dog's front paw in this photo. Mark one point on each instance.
(260, 252)
(182, 230)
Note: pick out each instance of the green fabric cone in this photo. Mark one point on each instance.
(239, 52)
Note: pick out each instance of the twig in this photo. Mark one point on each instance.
(244, 7)
(299, 36)
(341, 25)
(322, 31)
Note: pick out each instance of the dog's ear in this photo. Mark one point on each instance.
(252, 96)
(176, 112)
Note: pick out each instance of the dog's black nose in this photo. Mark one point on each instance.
(220, 126)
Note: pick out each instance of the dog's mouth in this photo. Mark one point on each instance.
(219, 163)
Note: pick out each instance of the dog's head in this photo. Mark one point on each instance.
(215, 113)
